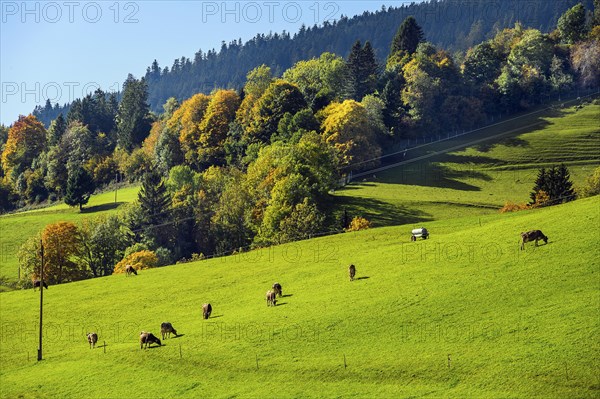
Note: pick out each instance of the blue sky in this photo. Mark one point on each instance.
(62, 50)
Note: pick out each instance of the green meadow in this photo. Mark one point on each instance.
(479, 178)
(462, 314)
(16, 228)
(465, 313)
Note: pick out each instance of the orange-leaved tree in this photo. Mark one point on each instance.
(26, 140)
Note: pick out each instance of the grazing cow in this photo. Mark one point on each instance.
(351, 272)
(37, 283)
(147, 338)
(130, 269)
(166, 329)
(92, 339)
(206, 311)
(277, 289)
(533, 235)
(271, 301)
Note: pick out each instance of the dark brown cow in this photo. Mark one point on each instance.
(271, 301)
(166, 329)
(206, 311)
(92, 339)
(37, 283)
(277, 289)
(147, 338)
(351, 272)
(533, 235)
(129, 270)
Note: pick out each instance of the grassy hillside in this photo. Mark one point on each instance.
(16, 228)
(480, 178)
(463, 314)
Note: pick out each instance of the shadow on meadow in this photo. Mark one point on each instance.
(379, 212)
(434, 175)
(102, 207)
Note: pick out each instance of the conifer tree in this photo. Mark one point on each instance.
(133, 120)
(408, 37)
(80, 186)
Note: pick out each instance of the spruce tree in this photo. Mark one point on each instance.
(363, 70)
(155, 208)
(408, 37)
(133, 116)
(556, 183)
(80, 186)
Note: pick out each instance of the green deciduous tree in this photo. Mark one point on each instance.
(571, 25)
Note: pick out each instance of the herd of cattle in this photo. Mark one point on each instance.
(166, 328)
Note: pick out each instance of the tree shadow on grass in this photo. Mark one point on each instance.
(102, 207)
(379, 212)
(428, 174)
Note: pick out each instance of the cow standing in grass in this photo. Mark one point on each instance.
(129, 270)
(277, 289)
(38, 283)
(166, 329)
(533, 235)
(206, 311)
(92, 339)
(352, 272)
(147, 338)
(271, 301)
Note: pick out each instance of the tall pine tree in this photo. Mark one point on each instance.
(80, 186)
(408, 37)
(155, 207)
(363, 70)
(555, 183)
(133, 117)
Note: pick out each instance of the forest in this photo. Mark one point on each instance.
(454, 25)
(236, 169)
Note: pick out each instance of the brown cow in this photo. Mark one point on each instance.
(277, 289)
(147, 338)
(352, 272)
(533, 235)
(271, 301)
(92, 339)
(37, 283)
(166, 329)
(129, 270)
(206, 311)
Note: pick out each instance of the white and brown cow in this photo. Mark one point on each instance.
(166, 329)
(129, 270)
(206, 311)
(271, 298)
(92, 339)
(147, 338)
(533, 235)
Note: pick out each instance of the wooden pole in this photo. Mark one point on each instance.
(345, 365)
(257, 362)
(180, 355)
(39, 357)
(104, 346)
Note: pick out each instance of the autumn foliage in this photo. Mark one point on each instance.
(139, 260)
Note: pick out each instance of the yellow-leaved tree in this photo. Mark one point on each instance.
(139, 260)
(346, 126)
